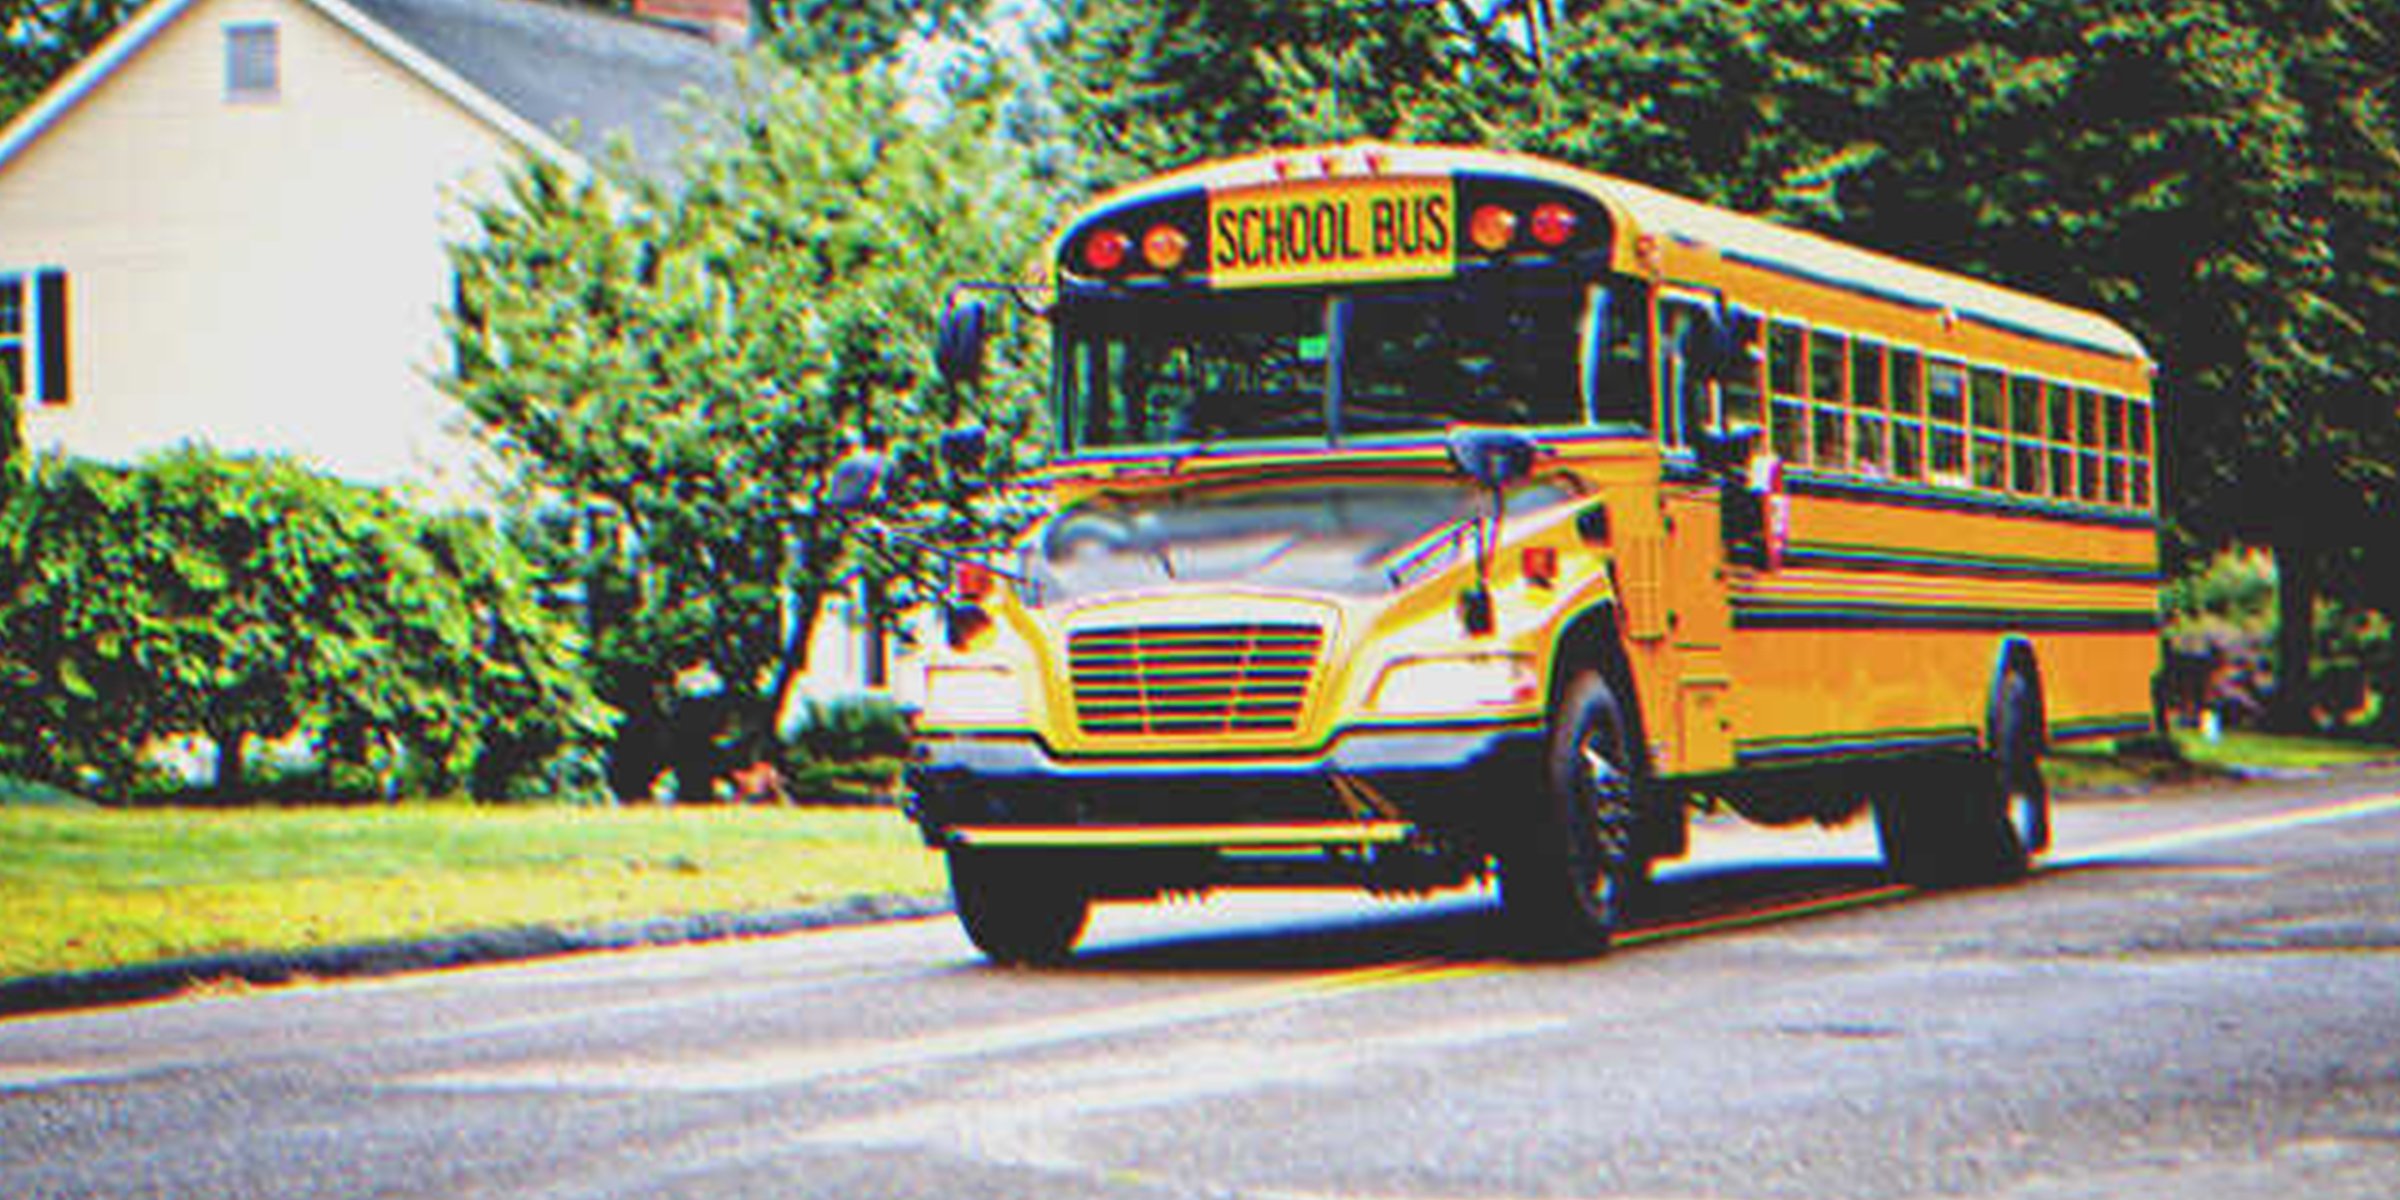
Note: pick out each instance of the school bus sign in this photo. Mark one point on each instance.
(1320, 231)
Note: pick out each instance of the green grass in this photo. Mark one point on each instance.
(2089, 768)
(90, 889)
(2243, 749)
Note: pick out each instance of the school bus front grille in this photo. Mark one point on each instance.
(1192, 680)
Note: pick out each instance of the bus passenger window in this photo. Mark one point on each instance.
(1868, 432)
(1991, 398)
(2025, 405)
(1946, 411)
(1787, 363)
(1866, 375)
(2027, 457)
(1947, 387)
(1908, 450)
(2026, 468)
(1908, 404)
(1831, 450)
(1683, 328)
(1867, 449)
(1791, 431)
(1828, 370)
(1739, 390)
(1826, 355)
(1616, 353)
(1787, 346)
(1991, 462)
(1907, 396)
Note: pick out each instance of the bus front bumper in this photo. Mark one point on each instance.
(1368, 787)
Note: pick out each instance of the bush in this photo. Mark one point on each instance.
(853, 729)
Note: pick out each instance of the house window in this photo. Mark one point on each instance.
(252, 70)
(33, 336)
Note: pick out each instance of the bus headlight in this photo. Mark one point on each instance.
(1452, 683)
(972, 696)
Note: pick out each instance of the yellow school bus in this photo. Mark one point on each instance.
(1421, 516)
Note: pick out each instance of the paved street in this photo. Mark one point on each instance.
(2199, 997)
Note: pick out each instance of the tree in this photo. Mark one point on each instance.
(1146, 85)
(40, 39)
(848, 35)
(243, 598)
(676, 372)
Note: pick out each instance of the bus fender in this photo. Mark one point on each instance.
(1594, 638)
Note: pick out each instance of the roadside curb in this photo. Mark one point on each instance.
(152, 981)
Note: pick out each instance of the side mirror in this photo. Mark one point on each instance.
(857, 480)
(1494, 458)
(958, 351)
(963, 449)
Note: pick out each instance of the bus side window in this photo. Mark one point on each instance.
(1828, 371)
(1908, 414)
(1946, 417)
(1616, 366)
(1684, 330)
(1740, 390)
(1988, 390)
(1867, 394)
(1787, 380)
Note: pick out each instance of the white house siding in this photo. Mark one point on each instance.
(255, 275)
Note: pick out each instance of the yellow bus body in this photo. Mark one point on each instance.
(1878, 629)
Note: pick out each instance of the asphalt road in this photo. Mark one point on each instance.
(2199, 997)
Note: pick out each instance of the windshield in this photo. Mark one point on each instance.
(1349, 539)
(1204, 367)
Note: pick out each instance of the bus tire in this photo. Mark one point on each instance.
(1979, 820)
(1570, 870)
(1019, 909)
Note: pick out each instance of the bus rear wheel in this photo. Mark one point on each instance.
(1570, 870)
(1019, 909)
(1979, 821)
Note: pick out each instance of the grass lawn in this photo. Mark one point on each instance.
(89, 888)
(2096, 767)
(83, 888)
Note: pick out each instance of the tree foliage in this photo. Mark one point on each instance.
(676, 372)
(850, 35)
(40, 39)
(247, 598)
(1147, 85)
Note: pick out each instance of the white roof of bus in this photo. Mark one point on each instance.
(1763, 242)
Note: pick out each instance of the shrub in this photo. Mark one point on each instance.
(852, 729)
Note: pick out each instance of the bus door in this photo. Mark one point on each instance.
(1698, 607)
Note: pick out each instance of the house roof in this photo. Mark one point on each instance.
(560, 81)
(575, 73)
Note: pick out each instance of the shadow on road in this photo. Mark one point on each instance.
(1472, 929)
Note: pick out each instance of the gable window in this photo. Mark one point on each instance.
(253, 67)
(33, 336)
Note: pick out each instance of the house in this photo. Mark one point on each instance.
(227, 224)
